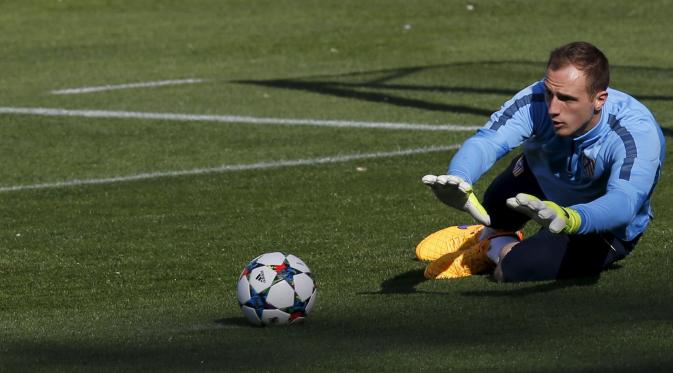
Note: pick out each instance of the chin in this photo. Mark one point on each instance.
(562, 132)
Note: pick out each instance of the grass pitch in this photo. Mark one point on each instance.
(140, 275)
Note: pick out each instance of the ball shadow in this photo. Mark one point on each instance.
(233, 321)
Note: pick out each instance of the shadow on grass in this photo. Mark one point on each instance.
(239, 322)
(360, 335)
(538, 287)
(349, 91)
(535, 288)
(401, 86)
(404, 283)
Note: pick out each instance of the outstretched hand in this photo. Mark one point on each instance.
(548, 214)
(457, 193)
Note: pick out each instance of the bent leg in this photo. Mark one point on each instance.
(547, 256)
(515, 179)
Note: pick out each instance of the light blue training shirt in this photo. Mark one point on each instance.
(607, 174)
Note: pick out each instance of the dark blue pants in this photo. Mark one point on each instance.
(546, 255)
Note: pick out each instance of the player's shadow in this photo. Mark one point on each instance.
(542, 287)
(534, 288)
(404, 283)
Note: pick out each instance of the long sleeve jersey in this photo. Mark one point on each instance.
(607, 174)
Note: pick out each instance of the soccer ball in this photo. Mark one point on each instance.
(276, 289)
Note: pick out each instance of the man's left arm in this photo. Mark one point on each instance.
(633, 175)
(634, 160)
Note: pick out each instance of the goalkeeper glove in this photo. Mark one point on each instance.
(457, 193)
(548, 214)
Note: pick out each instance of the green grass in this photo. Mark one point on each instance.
(141, 275)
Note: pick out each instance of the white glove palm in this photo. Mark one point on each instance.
(548, 214)
(457, 193)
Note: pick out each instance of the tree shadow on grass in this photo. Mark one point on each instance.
(350, 91)
(392, 86)
(401, 86)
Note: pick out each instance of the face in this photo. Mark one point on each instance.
(572, 109)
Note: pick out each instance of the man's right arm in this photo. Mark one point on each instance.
(506, 129)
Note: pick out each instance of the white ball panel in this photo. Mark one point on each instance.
(297, 263)
(275, 317)
(276, 258)
(251, 315)
(280, 295)
(311, 302)
(243, 290)
(303, 285)
(261, 278)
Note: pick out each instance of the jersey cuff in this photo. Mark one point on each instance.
(584, 223)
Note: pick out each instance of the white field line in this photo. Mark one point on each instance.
(231, 168)
(160, 83)
(106, 114)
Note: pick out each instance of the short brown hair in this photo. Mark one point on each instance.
(585, 57)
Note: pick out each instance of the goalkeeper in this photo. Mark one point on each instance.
(591, 158)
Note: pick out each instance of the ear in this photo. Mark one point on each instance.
(599, 100)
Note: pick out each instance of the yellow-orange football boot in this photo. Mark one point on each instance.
(462, 263)
(466, 262)
(448, 240)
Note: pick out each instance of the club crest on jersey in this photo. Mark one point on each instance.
(588, 165)
(518, 167)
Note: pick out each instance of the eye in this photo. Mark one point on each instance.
(566, 98)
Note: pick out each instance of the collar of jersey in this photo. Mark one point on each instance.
(594, 134)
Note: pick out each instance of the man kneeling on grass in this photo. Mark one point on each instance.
(591, 159)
